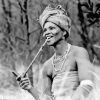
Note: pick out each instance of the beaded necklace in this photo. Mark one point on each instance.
(59, 60)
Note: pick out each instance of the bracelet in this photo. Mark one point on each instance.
(86, 82)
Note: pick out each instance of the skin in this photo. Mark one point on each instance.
(77, 57)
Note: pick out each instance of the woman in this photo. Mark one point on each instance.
(66, 75)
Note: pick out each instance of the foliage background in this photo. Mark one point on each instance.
(21, 36)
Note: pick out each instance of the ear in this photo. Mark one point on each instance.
(64, 33)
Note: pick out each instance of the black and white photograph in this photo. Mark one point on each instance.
(49, 49)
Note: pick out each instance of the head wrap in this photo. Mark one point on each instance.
(55, 15)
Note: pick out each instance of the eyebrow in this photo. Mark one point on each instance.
(59, 26)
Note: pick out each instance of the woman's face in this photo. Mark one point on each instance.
(53, 33)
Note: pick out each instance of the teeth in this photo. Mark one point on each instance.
(49, 37)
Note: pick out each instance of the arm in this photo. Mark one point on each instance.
(47, 83)
(84, 70)
(25, 84)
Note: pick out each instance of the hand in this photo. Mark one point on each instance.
(82, 92)
(23, 81)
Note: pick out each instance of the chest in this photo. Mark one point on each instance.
(67, 64)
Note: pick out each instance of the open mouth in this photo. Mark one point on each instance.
(49, 37)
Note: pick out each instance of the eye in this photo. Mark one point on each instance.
(51, 28)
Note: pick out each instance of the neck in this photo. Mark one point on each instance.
(61, 48)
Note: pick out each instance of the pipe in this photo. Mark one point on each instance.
(30, 65)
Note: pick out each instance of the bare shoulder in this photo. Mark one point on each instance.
(47, 67)
(79, 51)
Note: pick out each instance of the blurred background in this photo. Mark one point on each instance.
(21, 38)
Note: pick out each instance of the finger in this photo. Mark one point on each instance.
(23, 81)
(24, 84)
(21, 78)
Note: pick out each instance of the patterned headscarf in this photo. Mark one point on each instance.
(55, 15)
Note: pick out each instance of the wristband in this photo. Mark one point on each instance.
(87, 82)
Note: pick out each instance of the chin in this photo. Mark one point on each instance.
(50, 44)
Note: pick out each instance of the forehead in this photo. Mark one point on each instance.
(49, 24)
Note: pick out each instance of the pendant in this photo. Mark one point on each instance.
(57, 68)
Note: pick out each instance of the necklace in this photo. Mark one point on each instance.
(59, 62)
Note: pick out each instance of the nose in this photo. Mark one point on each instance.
(45, 34)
